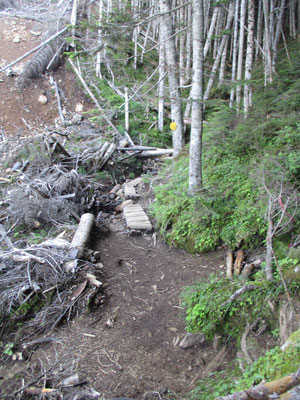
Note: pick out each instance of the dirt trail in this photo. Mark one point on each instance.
(129, 346)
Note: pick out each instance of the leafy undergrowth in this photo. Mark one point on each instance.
(240, 158)
(271, 366)
(210, 311)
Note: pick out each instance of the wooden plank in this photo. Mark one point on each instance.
(136, 218)
(129, 192)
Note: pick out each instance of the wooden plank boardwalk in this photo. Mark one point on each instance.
(136, 218)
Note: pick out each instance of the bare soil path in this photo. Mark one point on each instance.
(129, 345)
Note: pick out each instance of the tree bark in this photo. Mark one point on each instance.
(195, 160)
(161, 85)
(241, 52)
(219, 54)
(249, 57)
(234, 52)
(171, 58)
(267, 47)
(277, 35)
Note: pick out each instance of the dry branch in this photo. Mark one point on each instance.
(35, 49)
(239, 292)
(89, 92)
(264, 391)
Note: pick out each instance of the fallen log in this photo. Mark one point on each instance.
(35, 49)
(156, 153)
(264, 391)
(79, 240)
(293, 394)
(109, 152)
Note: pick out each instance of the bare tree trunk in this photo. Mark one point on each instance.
(269, 255)
(241, 52)
(259, 30)
(171, 58)
(277, 35)
(99, 52)
(234, 52)
(126, 110)
(211, 30)
(195, 160)
(223, 64)
(161, 85)
(220, 52)
(249, 57)
(73, 20)
(181, 48)
(267, 47)
(188, 46)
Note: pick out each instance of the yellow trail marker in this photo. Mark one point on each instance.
(173, 126)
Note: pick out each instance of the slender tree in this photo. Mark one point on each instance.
(249, 57)
(172, 64)
(161, 84)
(267, 44)
(241, 52)
(220, 52)
(195, 160)
(234, 51)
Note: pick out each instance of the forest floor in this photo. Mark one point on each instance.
(137, 351)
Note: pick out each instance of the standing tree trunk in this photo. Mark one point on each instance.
(171, 58)
(249, 57)
(277, 35)
(99, 52)
(267, 47)
(234, 52)
(241, 52)
(195, 162)
(258, 30)
(161, 85)
(219, 54)
(211, 30)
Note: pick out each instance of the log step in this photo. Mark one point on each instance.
(136, 218)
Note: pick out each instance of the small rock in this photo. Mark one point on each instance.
(71, 380)
(120, 193)
(43, 99)
(191, 339)
(79, 108)
(35, 33)
(136, 181)
(17, 165)
(120, 207)
(17, 39)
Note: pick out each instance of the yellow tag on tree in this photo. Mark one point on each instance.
(173, 126)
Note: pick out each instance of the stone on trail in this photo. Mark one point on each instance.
(135, 182)
(136, 218)
(191, 339)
